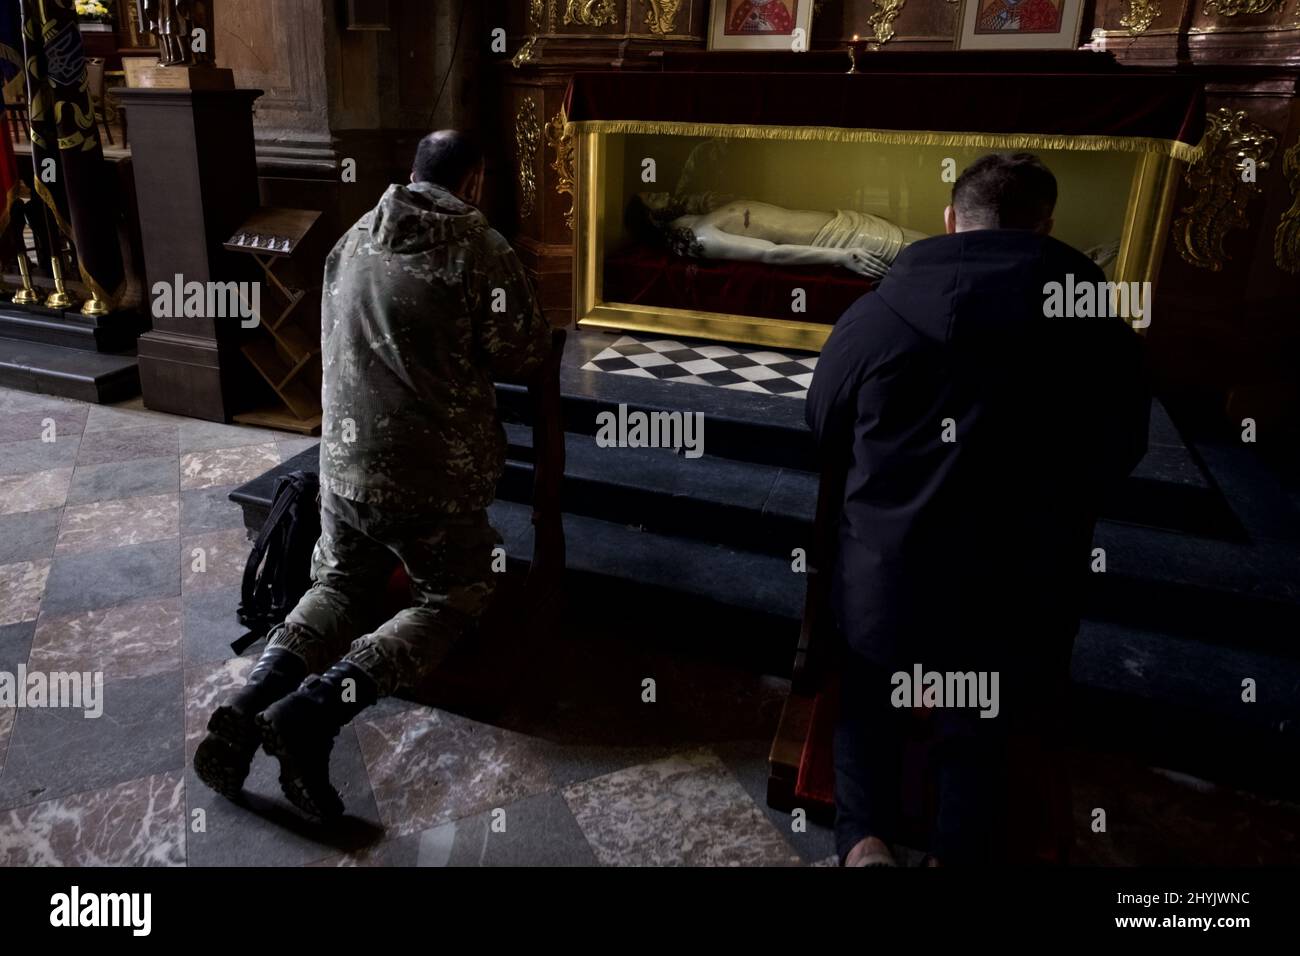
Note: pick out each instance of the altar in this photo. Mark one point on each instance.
(882, 146)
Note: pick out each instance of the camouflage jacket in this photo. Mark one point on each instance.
(424, 306)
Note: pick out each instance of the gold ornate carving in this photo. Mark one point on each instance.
(559, 134)
(591, 13)
(1141, 13)
(525, 54)
(1286, 242)
(836, 134)
(536, 11)
(527, 136)
(1233, 144)
(661, 16)
(882, 21)
(1233, 8)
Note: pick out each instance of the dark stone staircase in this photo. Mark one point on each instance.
(53, 352)
(1202, 587)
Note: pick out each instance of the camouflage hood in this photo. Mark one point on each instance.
(424, 305)
(418, 217)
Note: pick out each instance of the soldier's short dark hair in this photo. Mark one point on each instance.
(1005, 191)
(447, 158)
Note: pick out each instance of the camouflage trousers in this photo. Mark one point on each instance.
(448, 559)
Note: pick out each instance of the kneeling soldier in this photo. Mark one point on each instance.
(424, 306)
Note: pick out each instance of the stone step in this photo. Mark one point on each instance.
(87, 376)
(71, 329)
(763, 508)
(1238, 592)
(743, 426)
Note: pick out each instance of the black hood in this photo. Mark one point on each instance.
(972, 284)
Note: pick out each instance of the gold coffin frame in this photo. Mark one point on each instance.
(1151, 198)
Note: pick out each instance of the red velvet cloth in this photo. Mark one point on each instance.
(645, 275)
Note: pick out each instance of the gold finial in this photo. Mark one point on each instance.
(27, 294)
(59, 298)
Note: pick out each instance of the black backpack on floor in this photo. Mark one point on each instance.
(278, 572)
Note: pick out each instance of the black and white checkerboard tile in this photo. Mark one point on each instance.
(700, 363)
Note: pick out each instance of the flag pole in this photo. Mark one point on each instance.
(59, 298)
(27, 295)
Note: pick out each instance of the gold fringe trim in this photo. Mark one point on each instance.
(111, 299)
(838, 134)
(7, 213)
(52, 204)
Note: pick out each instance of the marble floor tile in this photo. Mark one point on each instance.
(428, 767)
(207, 687)
(210, 624)
(221, 565)
(22, 587)
(39, 491)
(227, 466)
(1157, 817)
(54, 752)
(747, 761)
(583, 697)
(31, 425)
(210, 509)
(130, 640)
(262, 828)
(15, 401)
(7, 715)
(26, 457)
(686, 810)
(130, 414)
(535, 831)
(118, 523)
(206, 436)
(128, 444)
(82, 582)
(28, 535)
(138, 823)
(16, 644)
(292, 447)
(124, 479)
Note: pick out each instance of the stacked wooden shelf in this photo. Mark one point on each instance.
(286, 347)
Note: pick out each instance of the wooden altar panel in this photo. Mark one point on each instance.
(279, 48)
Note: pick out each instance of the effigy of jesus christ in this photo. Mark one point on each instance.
(748, 230)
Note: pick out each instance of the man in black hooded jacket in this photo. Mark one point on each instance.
(977, 435)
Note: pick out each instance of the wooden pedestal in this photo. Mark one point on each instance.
(196, 181)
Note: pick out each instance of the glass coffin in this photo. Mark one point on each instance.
(678, 178)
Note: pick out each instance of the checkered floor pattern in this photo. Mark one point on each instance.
(700, 363)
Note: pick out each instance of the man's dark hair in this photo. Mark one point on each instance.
(446, 158)
(1001, 191)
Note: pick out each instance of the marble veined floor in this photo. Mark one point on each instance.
(100, 534)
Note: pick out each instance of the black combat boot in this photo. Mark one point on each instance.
(299, 731)
(225, 754)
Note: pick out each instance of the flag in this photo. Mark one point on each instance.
(80, 196)
(12, 83)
